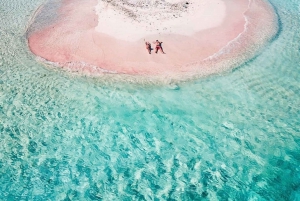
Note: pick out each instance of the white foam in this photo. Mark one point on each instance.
(132, 22)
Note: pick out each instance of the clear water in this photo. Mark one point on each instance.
(234, 136)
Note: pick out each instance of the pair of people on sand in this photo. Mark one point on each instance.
(157, 47)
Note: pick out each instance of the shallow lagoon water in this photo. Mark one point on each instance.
(234, 136)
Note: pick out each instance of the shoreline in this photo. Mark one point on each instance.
(206, 52)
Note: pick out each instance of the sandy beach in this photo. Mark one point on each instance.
(199, 37)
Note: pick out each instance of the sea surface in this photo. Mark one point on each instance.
(232, 136)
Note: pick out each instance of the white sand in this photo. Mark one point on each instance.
(135, 21)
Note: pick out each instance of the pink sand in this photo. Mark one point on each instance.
(73, 42)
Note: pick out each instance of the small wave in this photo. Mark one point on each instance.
(81, 67)
(45, 14)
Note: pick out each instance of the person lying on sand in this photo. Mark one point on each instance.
(148, 47)
(158, 46)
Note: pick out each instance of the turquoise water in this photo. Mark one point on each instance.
(234, 136)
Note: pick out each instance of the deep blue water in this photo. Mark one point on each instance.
(234, 136)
